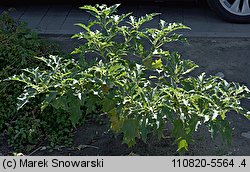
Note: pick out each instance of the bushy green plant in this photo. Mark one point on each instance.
(139, 85)
(27, 127)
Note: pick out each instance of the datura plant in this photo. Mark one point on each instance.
(123, 70)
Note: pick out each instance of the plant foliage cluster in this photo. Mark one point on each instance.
(132, 78)
(27, 127)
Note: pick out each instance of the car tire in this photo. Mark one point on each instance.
(232, 10)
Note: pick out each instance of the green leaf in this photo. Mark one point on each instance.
(213, 129)
(130, 130)
(113, 8)
(82, 26)
(91, 103)
(74, 108)
(226, 131)
(178, 128)
(144, 131)
(182, 145)
(108, 104)
(157, 64)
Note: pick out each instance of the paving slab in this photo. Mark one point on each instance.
(194, 18)
(123, 9)
(54, 19)
(75, 16)
(34, 15)
(171, 14)
(69, 24)
(216, 25)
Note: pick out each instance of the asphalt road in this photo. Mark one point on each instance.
(60, 18)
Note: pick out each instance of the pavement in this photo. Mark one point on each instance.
(57, 19)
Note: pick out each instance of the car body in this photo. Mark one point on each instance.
(231, 10)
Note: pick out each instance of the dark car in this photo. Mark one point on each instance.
(232, 10)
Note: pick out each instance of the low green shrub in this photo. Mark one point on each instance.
(27, 127)
(140, 85)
